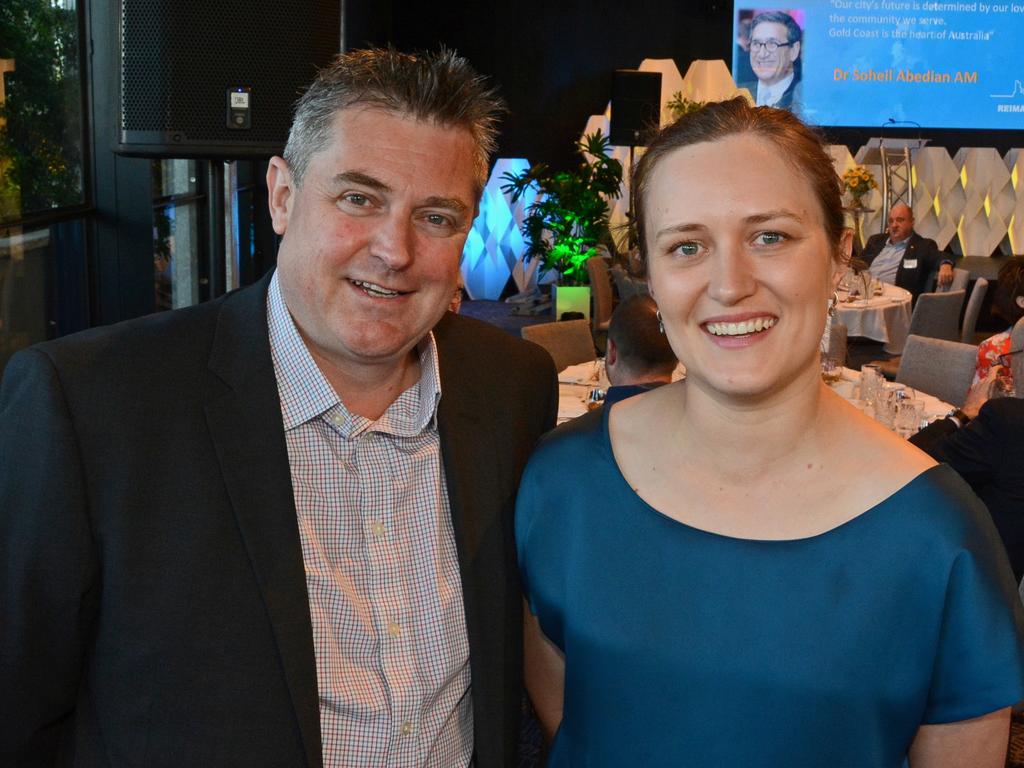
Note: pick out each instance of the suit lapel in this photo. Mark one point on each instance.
(245, 424)
(465, 445)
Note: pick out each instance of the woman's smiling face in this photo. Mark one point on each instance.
(739, 262)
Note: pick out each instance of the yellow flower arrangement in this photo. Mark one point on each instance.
(858, 181)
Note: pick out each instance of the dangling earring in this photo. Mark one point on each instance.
(661, 325)
(833, 303)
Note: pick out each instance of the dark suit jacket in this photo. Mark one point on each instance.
(792, 97)
(989, 454)
(922, 250)
(154, 599)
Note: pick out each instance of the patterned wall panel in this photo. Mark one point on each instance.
(983, 180)
(936, 210)
(1014, 243)
(495, 245)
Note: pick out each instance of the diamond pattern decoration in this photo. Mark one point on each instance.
(935, 177)
(495, 244)
(983, 177)
(1014, 243)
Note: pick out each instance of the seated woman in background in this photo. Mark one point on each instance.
(1008, 304)
(740, 568)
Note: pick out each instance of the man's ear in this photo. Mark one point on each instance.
(1020, 301)
(794, 51)
(279, 193)
(611, 354)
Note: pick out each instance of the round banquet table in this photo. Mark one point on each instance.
(884, 318)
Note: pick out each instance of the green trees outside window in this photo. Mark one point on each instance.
(40, 107)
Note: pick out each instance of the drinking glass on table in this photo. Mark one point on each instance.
(908, 416)
(870, 381)
(831, 370)
(887, 399)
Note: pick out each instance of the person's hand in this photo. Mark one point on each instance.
(945, 274)
(980, 393)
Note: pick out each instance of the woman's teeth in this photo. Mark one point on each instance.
(375, 290)
(741, 328)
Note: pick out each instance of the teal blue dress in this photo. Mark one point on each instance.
(689, 648)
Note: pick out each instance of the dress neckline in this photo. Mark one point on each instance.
(843, 527)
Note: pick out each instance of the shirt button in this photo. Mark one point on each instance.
(393, 629)
(406, 728)
(377, 528)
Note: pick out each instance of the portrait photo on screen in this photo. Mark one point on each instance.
(768, 57)
(870, 63)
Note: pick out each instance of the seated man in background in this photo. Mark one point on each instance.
(904, 258)
(982, 442)
(638, 357)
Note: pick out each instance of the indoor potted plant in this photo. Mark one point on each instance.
(569, 217)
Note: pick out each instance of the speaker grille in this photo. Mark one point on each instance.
(180, 57)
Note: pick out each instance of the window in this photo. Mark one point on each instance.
(40, 108)
(43, 265)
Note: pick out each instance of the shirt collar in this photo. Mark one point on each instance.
(771, 94)
(900, 244)
(306, 394)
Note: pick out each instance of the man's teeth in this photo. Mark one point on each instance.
(374, 289)
(741, 328)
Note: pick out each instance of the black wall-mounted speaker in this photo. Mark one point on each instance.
(218, 79)
(636, 106)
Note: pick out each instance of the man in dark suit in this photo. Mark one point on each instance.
(904, 258)
(983, 442)
(275, 529)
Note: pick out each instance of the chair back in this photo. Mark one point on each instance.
(568, 342)
(937, 315)
(1017, 335)
(961, 279)
(601, 290)
(941, 368)
(973, 310)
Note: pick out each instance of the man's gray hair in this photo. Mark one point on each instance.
(793, 31)
(439, 86)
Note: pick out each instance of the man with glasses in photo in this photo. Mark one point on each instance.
(775, 47)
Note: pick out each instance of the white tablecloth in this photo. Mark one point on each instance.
(575, 384)
(884, 318)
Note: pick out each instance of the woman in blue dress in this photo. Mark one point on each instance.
(740, 569)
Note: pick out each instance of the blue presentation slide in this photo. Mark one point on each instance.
(870, 63)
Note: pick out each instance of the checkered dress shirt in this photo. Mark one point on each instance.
(392, 656)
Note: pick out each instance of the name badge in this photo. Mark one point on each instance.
(910, 263)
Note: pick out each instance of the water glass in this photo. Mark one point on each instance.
(870, 381)
(887, 400)
(909, 412)
(831, 370)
